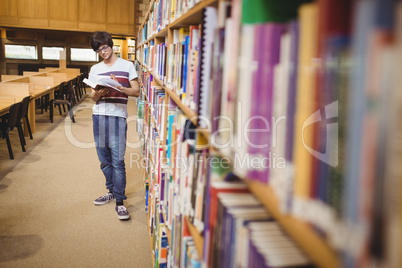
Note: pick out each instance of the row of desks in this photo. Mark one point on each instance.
(14, 88)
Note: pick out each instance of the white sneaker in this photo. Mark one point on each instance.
(104, 199)
(122, 213)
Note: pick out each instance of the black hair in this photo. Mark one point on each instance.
(99, 38)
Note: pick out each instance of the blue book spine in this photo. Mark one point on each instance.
(187, 44)
(363, 23)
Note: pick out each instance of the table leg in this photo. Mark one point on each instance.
(31, 118)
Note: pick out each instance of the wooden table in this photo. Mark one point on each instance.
(6, 104)
(39, 92)
(5, 107)
(41, 80)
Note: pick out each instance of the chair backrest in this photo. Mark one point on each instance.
(24, 106)
(14, 115)
(58, 93)
(70, 90)
(75, 82)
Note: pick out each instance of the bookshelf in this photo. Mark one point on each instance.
(124, 47)
(117, 50)
(131, 49)
(318, 250)
(160, 53)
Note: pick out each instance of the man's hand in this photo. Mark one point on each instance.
(104, 91)
(97, 94)
(134, 90)
(113, 77)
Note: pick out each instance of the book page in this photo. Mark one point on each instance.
(103, 82)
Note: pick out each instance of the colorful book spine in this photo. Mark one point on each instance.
(266, 53)
(303, 134)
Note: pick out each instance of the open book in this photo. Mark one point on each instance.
(103, 83)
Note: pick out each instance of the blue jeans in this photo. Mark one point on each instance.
(110, 134)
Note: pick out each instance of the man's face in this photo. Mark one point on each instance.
(105, 51)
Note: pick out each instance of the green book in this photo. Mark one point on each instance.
(261, 11)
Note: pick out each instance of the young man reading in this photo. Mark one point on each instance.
(109, 118)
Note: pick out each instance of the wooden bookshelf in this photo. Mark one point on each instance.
(150, 9)
(186, 110)
(163, 32)
(192, 16)
(310, 242)
(313, 245)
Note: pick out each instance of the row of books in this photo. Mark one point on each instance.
(163, 203)
(159, 68)
(138, 56)
(157, 21)
(176, 64)
(163, 13)
(147, 55)
(158, 231)
(245, 235)
(236, 224)
(309, 108)
(156, 104)
(327, 115)
(131, 42)
(150, 106)
(179, 190)
(131, 57)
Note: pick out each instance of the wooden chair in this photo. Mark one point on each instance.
(9, 122)
(24, 113)
(64, 97)
(83, 85)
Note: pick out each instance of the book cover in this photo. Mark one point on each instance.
(238, 217)
(280, 98)
(304, 117)
(216, 78)
(215, 188)
(291, 107)
(209, 24)
(222, 140)
(244, 99)
(268, 43)
(220, 237)
(185, 67)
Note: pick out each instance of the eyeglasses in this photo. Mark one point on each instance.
(102, 49)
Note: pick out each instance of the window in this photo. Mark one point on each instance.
(83, 54)
(21, 52)
(51, 53)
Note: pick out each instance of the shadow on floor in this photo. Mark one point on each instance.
(19, 247)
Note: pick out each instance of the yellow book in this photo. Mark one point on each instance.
(172, 15)
(183, 32)
(308, 14)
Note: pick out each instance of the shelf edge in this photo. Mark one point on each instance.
(314, 246)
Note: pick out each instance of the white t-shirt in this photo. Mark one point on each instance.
(115, 103)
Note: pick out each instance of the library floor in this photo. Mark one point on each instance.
(47, 215)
